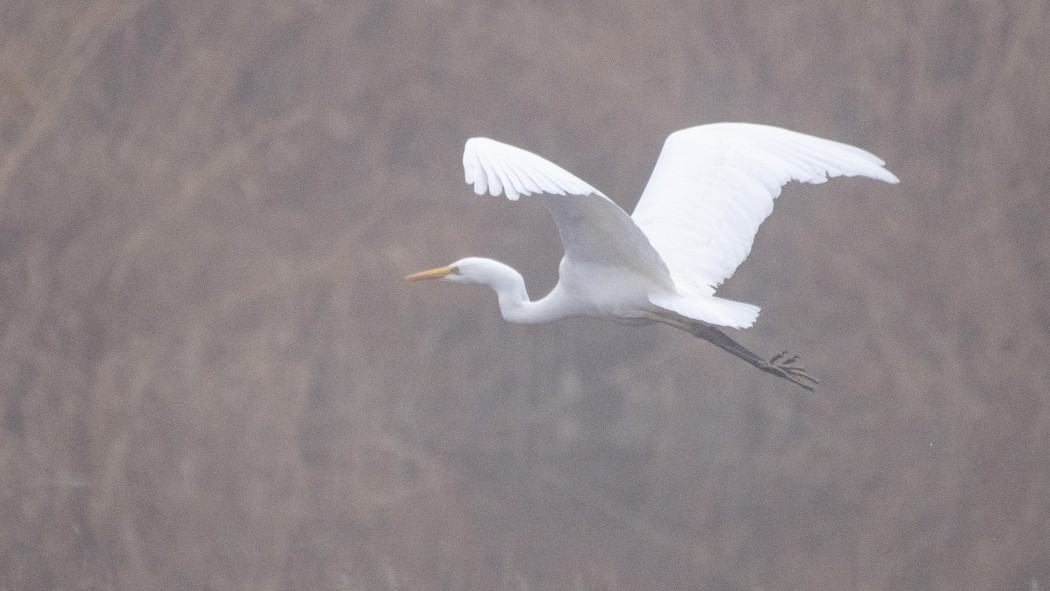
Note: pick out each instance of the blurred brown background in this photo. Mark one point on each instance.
(213, 377)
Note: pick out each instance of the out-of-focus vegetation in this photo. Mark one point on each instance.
(212, 376)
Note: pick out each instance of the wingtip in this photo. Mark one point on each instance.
(502, 169)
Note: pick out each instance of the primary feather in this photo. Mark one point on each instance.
(495, 167)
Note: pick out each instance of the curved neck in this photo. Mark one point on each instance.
(514, 303)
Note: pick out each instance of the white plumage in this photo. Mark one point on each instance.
(711, 188)
(714, 184)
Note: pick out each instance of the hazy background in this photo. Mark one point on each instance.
(213, 377)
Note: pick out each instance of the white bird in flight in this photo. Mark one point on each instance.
(694, 224)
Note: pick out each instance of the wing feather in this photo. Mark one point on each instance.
(713, 185)
(593, 229)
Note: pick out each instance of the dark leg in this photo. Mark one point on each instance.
(781, 365)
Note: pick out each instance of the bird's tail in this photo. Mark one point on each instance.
(709, 309)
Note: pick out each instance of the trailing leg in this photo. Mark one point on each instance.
(781, 365)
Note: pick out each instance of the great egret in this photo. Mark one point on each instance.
(694, 224)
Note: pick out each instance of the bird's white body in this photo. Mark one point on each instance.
(599, 291)
(694, 224)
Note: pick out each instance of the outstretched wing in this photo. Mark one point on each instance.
(714, 184)
(593, 229)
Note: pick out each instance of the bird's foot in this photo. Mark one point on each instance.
(783, 366)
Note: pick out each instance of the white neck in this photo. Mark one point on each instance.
(515, 306)
(514, 303)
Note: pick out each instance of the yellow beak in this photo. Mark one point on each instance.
(431, 274)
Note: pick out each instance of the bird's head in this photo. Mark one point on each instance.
(471, 270)
(506, 282)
